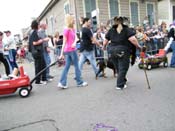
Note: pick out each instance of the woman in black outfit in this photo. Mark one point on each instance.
(120, 37)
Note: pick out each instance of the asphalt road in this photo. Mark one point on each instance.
(136, 108)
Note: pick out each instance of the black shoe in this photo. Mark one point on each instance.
(41, 83)
(51, 77)
(126, 79)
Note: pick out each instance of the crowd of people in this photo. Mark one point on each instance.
(119, 40)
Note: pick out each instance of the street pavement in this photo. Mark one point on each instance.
(135, 108)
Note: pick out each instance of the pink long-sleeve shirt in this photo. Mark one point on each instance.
(70, 38)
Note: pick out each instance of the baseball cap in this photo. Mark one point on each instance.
(1, 33)
(7, 31)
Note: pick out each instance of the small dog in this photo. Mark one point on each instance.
(102, 64)
(61, 63)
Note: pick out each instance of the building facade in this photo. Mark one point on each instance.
(166, 9)
(100, 11)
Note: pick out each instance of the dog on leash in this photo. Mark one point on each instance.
(102, 64)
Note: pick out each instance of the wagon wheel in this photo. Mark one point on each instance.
(165, 64)
(24, 92)
(140, 66)
(149, 67)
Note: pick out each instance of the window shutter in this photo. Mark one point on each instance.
(150, 10)
(90, 5)
(134, 13)
(114, 9)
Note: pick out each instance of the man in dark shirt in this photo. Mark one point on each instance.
(36, 48)
(87, 46)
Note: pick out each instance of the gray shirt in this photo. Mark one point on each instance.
(42, 35)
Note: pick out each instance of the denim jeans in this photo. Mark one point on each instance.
(137, 50)
(91, 57)
(172, 64)
(71, 57)
(13, 58)
(29, 56)
(58, 51)
(47, 61)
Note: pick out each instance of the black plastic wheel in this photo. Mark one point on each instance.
(140, 66)
(165, 64)
(149, 67)
(24, 92)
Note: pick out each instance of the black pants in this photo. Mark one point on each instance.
(39, 65)
(121, 63)
(5, 62)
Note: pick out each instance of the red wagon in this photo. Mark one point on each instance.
(21, 82)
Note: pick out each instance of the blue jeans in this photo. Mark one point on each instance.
(91, 57)
(172, 64)
(12, 53)
(58, 51)
(29, 56)
(47, 61)
(71, 57)
(137, 50)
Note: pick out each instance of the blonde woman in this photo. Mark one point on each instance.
(69, 51)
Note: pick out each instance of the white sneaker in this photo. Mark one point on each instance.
(125, 86)
(12, 76)
(62, 86)
(49, 79)
(120, 88)
(83, 84)
(43, 82)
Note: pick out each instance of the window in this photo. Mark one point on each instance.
(134, 13)
(51, 24)
(150, 13)
(66, 8)
(114, 8)
(90, 5)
